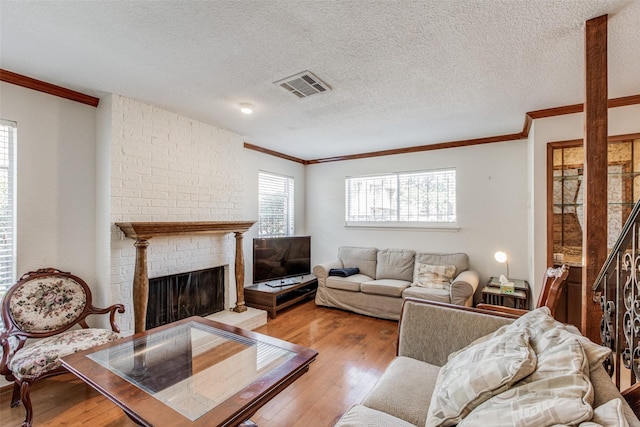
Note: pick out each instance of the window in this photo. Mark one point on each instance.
(275, 210)
(7, 205)
(402, 199)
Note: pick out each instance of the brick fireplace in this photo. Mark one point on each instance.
(160, 166)
(143, 232)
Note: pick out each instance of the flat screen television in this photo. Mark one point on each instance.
(276, 258)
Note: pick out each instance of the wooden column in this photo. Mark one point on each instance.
(239, 267)
(595, 171)
(140, 286)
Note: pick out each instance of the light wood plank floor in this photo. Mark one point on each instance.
(353, 352)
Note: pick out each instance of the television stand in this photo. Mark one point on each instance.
(275, 295)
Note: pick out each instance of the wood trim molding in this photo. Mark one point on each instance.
(528, 121)
(40, 86)
(428, 147)
(273, 153)
(51, 89)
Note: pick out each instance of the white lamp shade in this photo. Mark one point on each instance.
(500, 256)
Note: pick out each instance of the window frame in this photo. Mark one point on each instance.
(397, 223)
(288, 183)
(8, 277)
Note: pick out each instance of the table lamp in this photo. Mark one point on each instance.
(502, 257)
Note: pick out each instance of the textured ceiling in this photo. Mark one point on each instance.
(403, 73)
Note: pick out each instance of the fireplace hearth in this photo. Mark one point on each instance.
(175, 297)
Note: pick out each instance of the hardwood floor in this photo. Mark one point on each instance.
(353, 352)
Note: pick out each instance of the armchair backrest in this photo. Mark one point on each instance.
(554, 283)
(46, 302)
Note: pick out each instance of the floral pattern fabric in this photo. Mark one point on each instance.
(44, 355)
(47, 304)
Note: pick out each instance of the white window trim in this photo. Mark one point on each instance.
(452, 226)
(420, 226)
(11, 169)
(290, 214)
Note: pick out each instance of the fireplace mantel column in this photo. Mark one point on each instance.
(140, 286)
(239, 267)
(141, 232)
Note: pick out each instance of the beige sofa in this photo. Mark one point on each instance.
(385, 278)
(418, 388)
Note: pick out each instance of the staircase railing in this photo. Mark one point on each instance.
(617, 288)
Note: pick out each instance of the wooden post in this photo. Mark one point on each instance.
(140, 286)
(240, 307)
(595, 227)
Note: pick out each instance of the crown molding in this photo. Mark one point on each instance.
(528, 121)
(30, 83)
(39, 85)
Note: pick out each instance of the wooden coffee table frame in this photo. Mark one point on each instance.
(146, 410)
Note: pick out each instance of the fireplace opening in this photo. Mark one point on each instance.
(175, 297)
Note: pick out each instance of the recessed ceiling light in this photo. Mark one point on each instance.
(246, 108)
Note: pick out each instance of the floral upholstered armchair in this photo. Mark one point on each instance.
(44, 306)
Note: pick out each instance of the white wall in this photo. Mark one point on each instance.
(491, 203)
(622, 121)
(56, 200)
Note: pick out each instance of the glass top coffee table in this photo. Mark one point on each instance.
(192, 372)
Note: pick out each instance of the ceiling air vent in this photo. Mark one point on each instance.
(303, 84)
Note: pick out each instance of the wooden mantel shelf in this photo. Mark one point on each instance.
(141, 232)
(147, 230)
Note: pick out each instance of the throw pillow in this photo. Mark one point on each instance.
(477, 373)
(608, 414)
(558, 392)
(433, 276)
(547, 332)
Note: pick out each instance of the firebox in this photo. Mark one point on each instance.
(175, 297)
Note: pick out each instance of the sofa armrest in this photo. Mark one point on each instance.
(321, 271)
(463, 287)
(429, 331)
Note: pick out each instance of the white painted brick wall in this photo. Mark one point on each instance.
(166, 167)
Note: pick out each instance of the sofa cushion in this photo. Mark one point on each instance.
(404, 390)
(440, 295)
(433, 276)
(359, 416)
(45, 355)
(395, 264)
(387, 287)
(477, 373)
(557, 392)
(460, 260)
(351, 283)
(363, 258)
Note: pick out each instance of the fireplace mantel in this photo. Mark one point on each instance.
(147, 230)
(141, 232)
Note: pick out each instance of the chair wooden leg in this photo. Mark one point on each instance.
(15, 397)
(25, 389)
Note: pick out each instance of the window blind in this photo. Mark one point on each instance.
(276, 205)
(412, 197)
(8, 132)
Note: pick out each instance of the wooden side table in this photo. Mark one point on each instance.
(518, 299)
